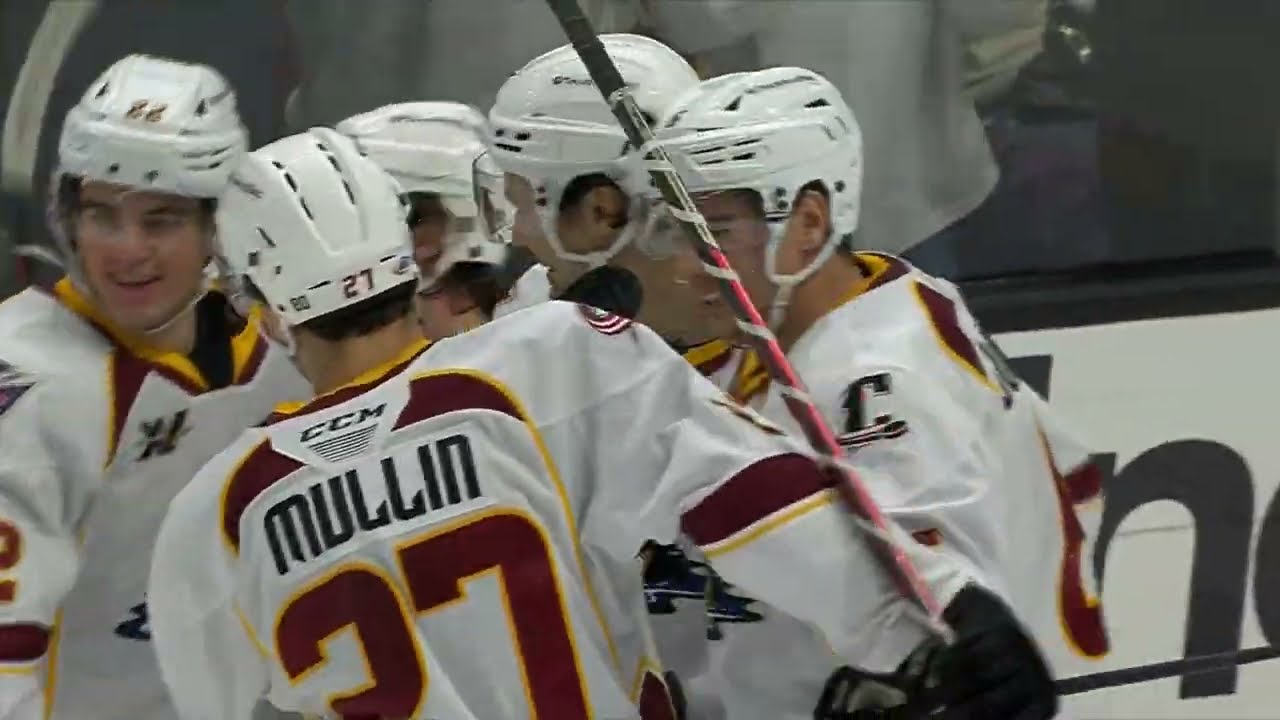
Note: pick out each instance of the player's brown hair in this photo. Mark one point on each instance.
(68, 191)
(477, 281)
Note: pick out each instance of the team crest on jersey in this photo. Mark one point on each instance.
(137, 625)
(161, 435)
(671, 577)
(866, 421)
(604, 322)
(13, 384)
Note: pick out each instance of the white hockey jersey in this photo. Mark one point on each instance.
(975, 462)
(95, 440)
(531, 288)
(456, 535)
(690, 606)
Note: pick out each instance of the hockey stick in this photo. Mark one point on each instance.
(1162, 670)
(60, 25)
(609, 82)
(24, 119)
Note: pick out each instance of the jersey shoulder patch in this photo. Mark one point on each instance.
(603, 321)
(14, 383)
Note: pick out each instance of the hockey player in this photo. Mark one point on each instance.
(450, 530)
(436, 151)
(581, 205)
(975, 462)
(462, 295)
(579, 193)
(118, 387)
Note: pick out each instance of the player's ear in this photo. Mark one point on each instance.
(608, 209)
(811, 222)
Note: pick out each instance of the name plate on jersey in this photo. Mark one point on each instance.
(436, 476)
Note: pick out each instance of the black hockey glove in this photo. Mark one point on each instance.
(852, 694)
(992, 671)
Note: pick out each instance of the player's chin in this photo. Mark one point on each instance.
(143, 318)
(725, 329)
(717, 321)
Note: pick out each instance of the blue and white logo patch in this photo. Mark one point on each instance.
(13, 385)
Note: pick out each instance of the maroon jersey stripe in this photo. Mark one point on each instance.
(258, 470)
(943, 315)
(125, 374)
(756, 492)
(23, 643)
(437, 394)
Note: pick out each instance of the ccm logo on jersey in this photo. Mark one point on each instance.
(342, 422)
(670, 577)
(863, 425)
(604, 322)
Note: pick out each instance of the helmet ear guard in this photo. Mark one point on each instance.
(438, 149)
(550, 126)
(426, 146)
(776, 132)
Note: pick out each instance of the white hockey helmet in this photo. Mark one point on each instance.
(550, 125)
(155, 124)
(148, 123)
(490, 253)
(314, 225)
(439, 148)
(772, 131)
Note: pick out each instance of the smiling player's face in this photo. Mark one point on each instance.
(142, 253)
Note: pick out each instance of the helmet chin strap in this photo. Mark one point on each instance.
(209, 276)
(280, 336)
(786, 284)
(630, 232)
(288, 342)
(189, 306)
(590, 260)
(77, 279)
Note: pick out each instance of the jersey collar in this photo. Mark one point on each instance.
(361, 382)
(244, 346)
(878, 269)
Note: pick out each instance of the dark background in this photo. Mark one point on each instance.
(1156, 159)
